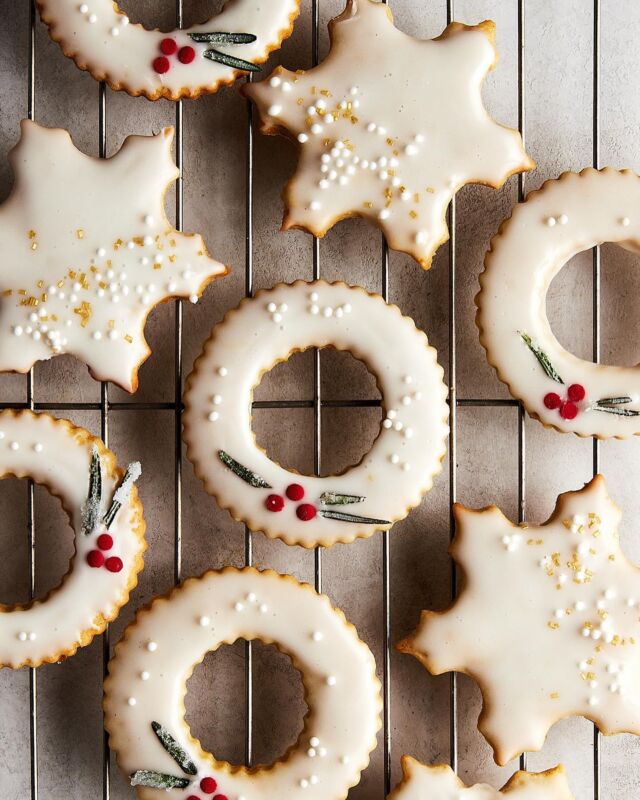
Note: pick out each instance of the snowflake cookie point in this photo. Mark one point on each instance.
(379, 168)
(440, 781)
(577, 623)
(111, 226)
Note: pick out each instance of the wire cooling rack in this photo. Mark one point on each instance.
(105, 406)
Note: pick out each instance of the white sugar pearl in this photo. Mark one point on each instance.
(239, 606)
(204, 621)
(313, 779)
(610, 594)
(263, 608)
(152, 647)
(324, 184)
(421, 237)
(311, 752)
(316, 129)
(93, 18)
(304, 783)
(38, 447)
(327, 312)
(408, 433)
(331, 680)
(14, 446)
(398, 426)
(322, 752)
(315, 205)
(302, 138)
(371, 127)
(217, 399)
(411, 150)
(387, 424)
(287, 87)
(124, 20)
(625, 222)
(272, 307)
(550, 221)
(275, 81)
(314, 741)
(316, 636)
(251, 597)
(115, 31)
(214, 416)
(22, 636)
(384, 214)
(580, 605)
(84, 8)
(314, 297)
(97, 335)
(277, 317)
(32, 637)
(132, 701)
(563, 219)
(223, 372)
(144, 675)
(345, 760)
(314, 310)
(17, 330)
(394, 458)
(101, 252)
(274, 110)
(593, 701)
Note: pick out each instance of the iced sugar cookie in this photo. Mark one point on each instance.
(565, 217)
(145, 689)
(547, 623)
(99, 37)
(390, 480)
(389, 128)
(88, 252)
(420, 782)
(106, 516)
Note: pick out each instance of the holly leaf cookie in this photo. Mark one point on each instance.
(547, 621)
(389, 127)
(420, 782)
(88, 252)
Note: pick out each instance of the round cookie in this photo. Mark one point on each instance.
(377, 143)
(566, 216)
(146, 685)
(546, 624)
(420, 782)
(106, 516)
(99, 37)
(89, 252)
(394, 475)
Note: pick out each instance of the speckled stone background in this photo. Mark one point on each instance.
(558, 85)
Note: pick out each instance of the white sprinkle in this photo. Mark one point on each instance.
(311, 111)
(610, 594)
(132, 701)
(387, 423)
(559, 613)
(394, 458)
(223, 372)
(580, 605)
(384, 214)
(251, 597)
(324, 184)
(315, 205)
(408, 433)
(93, 18)
(287, 87)
(314, 741)
(322, 752)
(316, 636)
(398, 426)
(217, 399)
(327, 311)
(263, 608)
(14, 446)
(563, 219)
(101, 252)
(97, 335)
(371, 127)
(152, 647)
(275, 81)
(345, 760)
(304, 783)
(274, 110)
(586, 632)
(625, 222)
(550, 221)
(331, 680)
(316, 129)
(421, 237)
(418, 138)
(314, 310)
(347, 308)
(124, 20)
(406, 400)
(593, 701)
(38, 447)
(313, 779)
(631, 602)
(84, 8)
(115, 31)
(277, 317)
(411, 150)
(406, 466)
(311, 752)
(239, 606)
(214, 416)
(22, 636)
(17, 330)
(148, 241)
(272, 307)
(353, 91)
(302, 138)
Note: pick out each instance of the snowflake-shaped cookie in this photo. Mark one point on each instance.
(390, 127)
(547, 622)
(87, 252)
(420, 782)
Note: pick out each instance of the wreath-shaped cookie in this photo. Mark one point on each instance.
(394, 475)
(106, 516)
(99, 37)
(568, 215)
(145, 689)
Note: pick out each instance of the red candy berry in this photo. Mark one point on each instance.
(168, 47)
(306, 511)
(568, 410)
(274, 502)
(576, 392)
(186, 55)
(221, 797)
(95, 559)
(193, 797)
(105, 541)
(552, 400)
(161, 65)
(295, 492)
(114, 564)
(208, 785)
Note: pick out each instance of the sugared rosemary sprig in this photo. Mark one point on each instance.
(543, 358)
(218, 37)
(613, 405)
(231, 61)
(157, 780)
(175, 750)
(342, 517)
(242, 472)
(134, 470)
(337, 499)
(91, 507)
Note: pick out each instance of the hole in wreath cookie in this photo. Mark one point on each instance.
(571, 320)
(215, 703)
(287, 435)
(54, 542)
(163, 15)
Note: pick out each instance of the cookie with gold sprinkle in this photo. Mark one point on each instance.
(441, 783)
(88, 252)
(389, 128)
(547, 622)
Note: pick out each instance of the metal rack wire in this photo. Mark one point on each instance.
(105, 406)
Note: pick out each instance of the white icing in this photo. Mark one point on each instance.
(87, 598)
(390, 148)
(248, 343)
(534, 665)
(342, 719)
(421, 782)
(524, 259)
(98, 36)
(71, 281)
